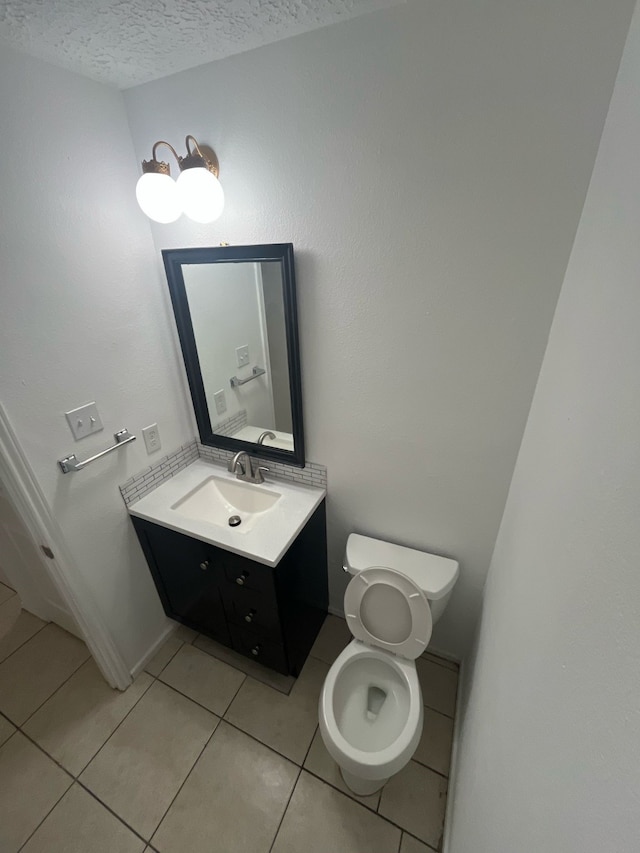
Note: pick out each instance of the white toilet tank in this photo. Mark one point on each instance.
(436, 576)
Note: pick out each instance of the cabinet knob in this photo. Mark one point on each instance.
(256, 650)
(249, 616)
(204, 566)
(241, 579)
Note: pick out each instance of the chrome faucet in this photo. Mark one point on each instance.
(241, 466)
(266, 434)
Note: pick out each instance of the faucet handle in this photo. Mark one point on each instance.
(260, 471)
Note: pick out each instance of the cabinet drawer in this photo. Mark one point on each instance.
(249, 575)
(258, 648)
(251, 609)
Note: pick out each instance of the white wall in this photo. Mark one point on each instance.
(84, 317)
(550, 753)
(429, 163)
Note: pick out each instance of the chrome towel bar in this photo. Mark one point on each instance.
(257, 371)
(71, 463)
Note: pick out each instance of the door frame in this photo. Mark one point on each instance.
(33, 509)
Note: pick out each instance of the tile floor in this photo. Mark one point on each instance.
(197, 755)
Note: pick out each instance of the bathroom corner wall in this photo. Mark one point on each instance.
(550, 751)
(429, 164)
(84, 316)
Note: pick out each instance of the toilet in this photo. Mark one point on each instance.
(370, 707)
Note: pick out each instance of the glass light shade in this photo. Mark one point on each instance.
(157, 195)
(200, 194)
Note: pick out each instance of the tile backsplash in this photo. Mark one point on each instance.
(150, 478)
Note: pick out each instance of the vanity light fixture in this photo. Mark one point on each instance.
(197, 192)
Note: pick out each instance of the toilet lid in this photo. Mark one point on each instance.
(386, 609)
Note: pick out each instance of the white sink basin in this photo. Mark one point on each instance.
(217, 500)
(199, 500)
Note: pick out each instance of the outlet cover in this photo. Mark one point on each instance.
(221, 402)
(84, 420)
(151, 438)
(242, 355)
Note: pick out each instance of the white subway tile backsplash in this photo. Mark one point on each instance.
(152, 476)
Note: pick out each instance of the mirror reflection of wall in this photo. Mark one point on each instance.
(237, 313)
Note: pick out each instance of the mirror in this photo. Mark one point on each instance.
(235, 309)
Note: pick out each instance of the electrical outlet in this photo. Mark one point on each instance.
(84, 420)
(242, 355)
(151, 437)
(221, 402)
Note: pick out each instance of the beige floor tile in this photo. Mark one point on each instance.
(232, 801)
(434, 749)
(187, 635)
(285, 723)
(141, 767)
(436, 658)
(5, 593)
(410, 845)
(331, 640)
(415, 799)
(16, 627)
(164, 654)
(37, 669)
(6, 730)
(78, 824)
(320, 819)
(203, 678)
(439, 686)
(263, 674)
(320, 763)
(82, 715)
(30, 785)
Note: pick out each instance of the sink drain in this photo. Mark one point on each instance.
(234, 521)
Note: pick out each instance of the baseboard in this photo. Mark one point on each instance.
(457, 725)
(144, 660)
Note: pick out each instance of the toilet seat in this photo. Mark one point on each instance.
(387, 610)
(376, 762)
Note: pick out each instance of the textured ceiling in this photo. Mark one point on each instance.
(126, 42)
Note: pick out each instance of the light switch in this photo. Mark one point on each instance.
(242, 355)
(84, 420)
(220, 401)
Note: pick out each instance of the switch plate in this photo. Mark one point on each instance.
(221, 402)
(84, 420)
(151, 437)
(242, 355)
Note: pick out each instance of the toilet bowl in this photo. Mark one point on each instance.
(370, 710)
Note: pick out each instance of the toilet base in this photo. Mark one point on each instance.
(359, 786)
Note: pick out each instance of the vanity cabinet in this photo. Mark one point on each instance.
(270, 614)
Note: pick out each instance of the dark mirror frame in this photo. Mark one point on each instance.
(283, 252)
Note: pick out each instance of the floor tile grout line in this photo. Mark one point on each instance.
(248, 675)
(54, 806)
(88, 790)
(51, 695)
(76, 778)
(104, 743)
(184, 781)
(358, 803)
(28, 640)
(286, 809)
(168, 662)
(340, 791)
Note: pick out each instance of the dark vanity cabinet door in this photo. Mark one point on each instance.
(187, 574)
(271, 615)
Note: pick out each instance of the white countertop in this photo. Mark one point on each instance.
(269, 538)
